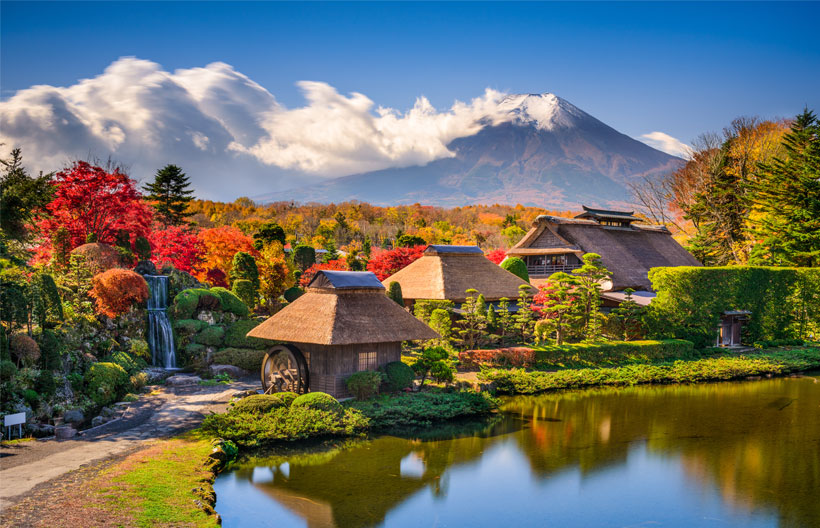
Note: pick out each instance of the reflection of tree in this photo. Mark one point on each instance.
(759, 443)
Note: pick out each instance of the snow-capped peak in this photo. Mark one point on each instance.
(546, 111)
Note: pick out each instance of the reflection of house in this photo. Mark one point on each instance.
(627, 250)
(344, 323)
(447, 272)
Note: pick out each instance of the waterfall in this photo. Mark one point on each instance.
(160, 334)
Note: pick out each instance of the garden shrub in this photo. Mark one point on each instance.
(399, 376)
(7, 370)
(244, 289)
(501, 357)
(364, 385)
(117, 290)
(46, 305)
(105, 383)
(235, 335)
(293, 293)
(319, 401)
(244, 358)
(230, 302)
(394, 293)
(50, 350)
(517, 267)
(98, 257)
(243, 267)
(187, 302)
(44, 383)
(139, 350)
(263, 403)
(691, 300)
(25, 349)
(304, 256)
(424, 309)
(127, 362)
(210, 335)
(138, 381)
(434, 362)
(424, 408)
(193, 350)
(32, 398)
(441, 323)
(614, 352)
(774, 343)
(188, 327)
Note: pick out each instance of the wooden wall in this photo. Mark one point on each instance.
(330, 365)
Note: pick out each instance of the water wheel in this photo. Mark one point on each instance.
(284, 369)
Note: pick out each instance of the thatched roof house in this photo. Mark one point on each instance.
(344, 323)
(447, 272)
(627, 250)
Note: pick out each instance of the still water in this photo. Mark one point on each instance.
(723, 454)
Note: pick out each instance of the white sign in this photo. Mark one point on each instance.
(14, 419)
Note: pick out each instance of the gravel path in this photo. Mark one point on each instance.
(26, 465)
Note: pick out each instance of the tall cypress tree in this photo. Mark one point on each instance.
(170, 193)
(787, 199)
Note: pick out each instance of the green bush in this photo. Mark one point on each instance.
(32, 398)
(127, 362)
(612, 352)
(210, 335)
(690, 301)
(364, 385)
(304, 256)
(105, 383)
(399, 376)
(188, 327)
(262, 403)
(187, 301)
(230, 302)
(424, 309)
(284, 424)
(394, 293)
(25, 349)
(138, 381)
(293, 293)
(139, 350)
(235, 336)
(44, 383)
(244, 289)
(318, 400)
(424, 408)
(193, 350)
(243, 267)
(517, 267)
(774, 343)
(244, 358)
(7, 370)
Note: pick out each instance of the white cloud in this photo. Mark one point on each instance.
(667, 143)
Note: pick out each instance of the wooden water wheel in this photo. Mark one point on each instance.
(284, 369)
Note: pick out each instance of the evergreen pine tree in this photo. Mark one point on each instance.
(787, 200)
(170, 193)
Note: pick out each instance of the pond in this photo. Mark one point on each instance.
(722, 454)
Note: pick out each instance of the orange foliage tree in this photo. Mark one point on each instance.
(274, 273)
(221, 244)
(117, 290)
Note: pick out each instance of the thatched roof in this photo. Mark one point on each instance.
(447, 272)
(628, 252)
(343, 308)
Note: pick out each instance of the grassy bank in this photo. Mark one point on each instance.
(521, 381)
(422, 409)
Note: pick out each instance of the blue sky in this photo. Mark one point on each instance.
(679, 68)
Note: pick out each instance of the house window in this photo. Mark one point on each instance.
(368, 361)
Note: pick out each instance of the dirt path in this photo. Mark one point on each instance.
(27, 465)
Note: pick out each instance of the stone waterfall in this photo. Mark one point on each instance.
(160, 333)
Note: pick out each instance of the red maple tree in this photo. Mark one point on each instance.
(88, 200)
(496, 256)
(389, 262)
(335, 265)
(178, 246)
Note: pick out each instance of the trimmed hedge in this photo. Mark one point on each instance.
(690, 301)
(423, 408)
(189, 326)
(106, 383)
(399, 376)
(235, 335)
(319, 401)
(365, 384)
(614, 352)
(230, 302)
(244, 358)
(517, 267)
(212, 335)
(263, 403)
(187, 302)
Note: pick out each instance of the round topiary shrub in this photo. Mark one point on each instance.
(235, 335)
(318, 400)
(7, 370)
(293, 293)
(245, 290)
(230, 302)
(105, 382)
(117, 290)
(263, 403)
(517, 267)
(25, 349)
(399, 376)
(211, 335)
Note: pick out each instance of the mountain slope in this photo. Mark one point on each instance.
(535, 150)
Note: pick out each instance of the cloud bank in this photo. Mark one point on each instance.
(233, 138)
(666, 143)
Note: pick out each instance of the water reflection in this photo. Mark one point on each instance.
(744, 454)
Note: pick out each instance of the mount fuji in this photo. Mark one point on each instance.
(533, 149)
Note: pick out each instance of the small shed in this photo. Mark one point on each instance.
(344, 323)
(730, 331)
